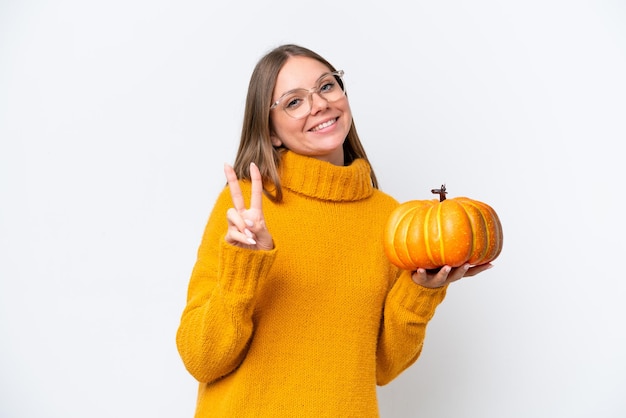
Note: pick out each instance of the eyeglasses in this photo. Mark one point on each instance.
(297, 103)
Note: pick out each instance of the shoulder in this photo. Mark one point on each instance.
(385, 198)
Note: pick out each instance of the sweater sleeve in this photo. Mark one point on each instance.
(408, 309)
(216, 324)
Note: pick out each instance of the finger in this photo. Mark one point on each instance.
(236, 220)
(237, 231)
(442, 275)
(427, 278)
(477, 269)
(420, 276)
(257, 188)
(458, 273)
(235, 190)
(234, 236)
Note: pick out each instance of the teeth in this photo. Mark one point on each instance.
(324, 125)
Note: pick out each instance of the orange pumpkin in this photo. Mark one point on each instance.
(433, 233)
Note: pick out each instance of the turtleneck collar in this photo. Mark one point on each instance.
(322, 180)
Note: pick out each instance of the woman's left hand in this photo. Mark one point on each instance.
(446, 274)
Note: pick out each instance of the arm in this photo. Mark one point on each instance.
(409, 306)
(408, 309)
(216, 324)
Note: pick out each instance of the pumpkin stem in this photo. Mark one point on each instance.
(441, 192)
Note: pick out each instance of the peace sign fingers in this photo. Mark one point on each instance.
(246, 227)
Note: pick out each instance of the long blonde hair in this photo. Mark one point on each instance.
(255, 144)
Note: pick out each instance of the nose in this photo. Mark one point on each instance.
(318, 103)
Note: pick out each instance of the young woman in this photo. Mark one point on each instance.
(293, 309)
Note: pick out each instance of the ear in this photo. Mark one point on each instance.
(276, 141)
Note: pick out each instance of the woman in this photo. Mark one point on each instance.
(293, 309)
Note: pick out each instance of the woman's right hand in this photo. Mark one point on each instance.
(246, 227)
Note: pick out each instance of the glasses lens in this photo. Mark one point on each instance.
(331, 88)
(298, 103)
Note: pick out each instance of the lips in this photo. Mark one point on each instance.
(323, 125)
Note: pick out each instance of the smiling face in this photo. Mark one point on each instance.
(320, 134)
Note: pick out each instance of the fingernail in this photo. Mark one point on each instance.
(249, 222)
(248, 233)
(466, 267)
(446, 269)
(251, 241)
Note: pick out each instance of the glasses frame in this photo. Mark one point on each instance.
(337, 74)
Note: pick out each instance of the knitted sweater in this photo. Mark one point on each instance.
(309, 328)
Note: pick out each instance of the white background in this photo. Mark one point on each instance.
(117, 116)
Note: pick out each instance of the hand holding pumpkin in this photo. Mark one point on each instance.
(457, 237)
(446, 274)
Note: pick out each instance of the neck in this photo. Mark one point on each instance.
(324, 180)
(336, 158)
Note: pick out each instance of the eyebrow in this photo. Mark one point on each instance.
(302, 88)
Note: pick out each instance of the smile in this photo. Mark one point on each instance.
(324, 125)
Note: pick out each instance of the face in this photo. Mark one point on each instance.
(320, 134)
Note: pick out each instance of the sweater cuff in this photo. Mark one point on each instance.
(240, 269)
(417, 298)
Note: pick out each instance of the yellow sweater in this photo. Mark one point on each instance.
(309, 328)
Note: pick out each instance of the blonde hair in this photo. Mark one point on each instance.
(255, 144)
